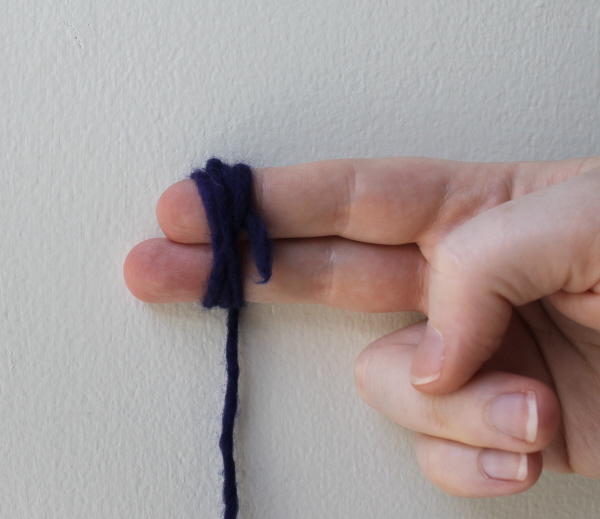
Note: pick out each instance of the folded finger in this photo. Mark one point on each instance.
(466, 471)
(495, 409)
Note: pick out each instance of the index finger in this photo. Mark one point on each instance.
(389, 201)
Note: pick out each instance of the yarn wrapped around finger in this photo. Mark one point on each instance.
(227, 196)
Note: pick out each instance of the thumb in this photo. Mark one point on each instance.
(510, 255)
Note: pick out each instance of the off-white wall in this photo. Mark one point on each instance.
(109, 408)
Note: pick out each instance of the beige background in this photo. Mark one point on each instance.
(109, 408)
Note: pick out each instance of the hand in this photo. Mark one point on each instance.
(504, 259)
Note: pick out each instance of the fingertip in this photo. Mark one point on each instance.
(427, 364)
(142, 271)
(161, 271)
(446, 360)
(133, 266)
(508, 473)
(548, 414)
(466, 471)
(179, 212)
(361, 370)
(375, 358)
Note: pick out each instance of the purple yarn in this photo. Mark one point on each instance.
(226, 193)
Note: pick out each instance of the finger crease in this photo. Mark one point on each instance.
(344, 209)
(328, 286)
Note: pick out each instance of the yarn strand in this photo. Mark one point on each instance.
(226, 193)
(230, 493)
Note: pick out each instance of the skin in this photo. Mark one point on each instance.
(503, 378)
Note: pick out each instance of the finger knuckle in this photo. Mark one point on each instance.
(431, 460)
(437, 415)
(454, 257)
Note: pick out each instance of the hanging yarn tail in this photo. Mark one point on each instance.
(226, 193)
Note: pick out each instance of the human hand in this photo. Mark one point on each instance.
(504, 258)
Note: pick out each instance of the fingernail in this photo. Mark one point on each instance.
(516, 415)
(427, 364)
(508, 466)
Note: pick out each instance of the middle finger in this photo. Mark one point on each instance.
(332, 271)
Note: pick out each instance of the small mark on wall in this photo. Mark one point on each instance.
(72, 33)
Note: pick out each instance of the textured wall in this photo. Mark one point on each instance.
(109, 408)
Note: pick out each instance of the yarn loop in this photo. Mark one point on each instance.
(226, 193)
